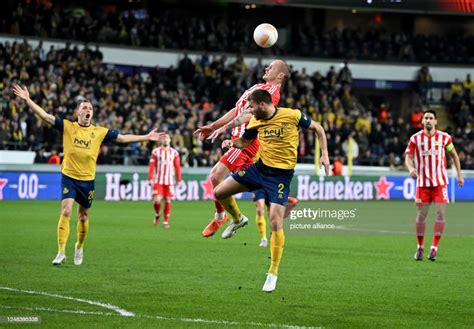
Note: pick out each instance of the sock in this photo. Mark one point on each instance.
(261, 226)
(438, 231)
(63, 233)
(157, 206)
(167, 211)
(232, 208)
(277, 241)
(220, 211)
(82, 230)
(420, 232)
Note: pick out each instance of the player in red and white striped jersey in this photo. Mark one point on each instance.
(164, 171)
(426, 161)
(235, 159)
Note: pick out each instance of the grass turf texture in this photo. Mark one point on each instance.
(356, 279)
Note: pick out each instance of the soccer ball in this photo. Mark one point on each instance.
(265, 35)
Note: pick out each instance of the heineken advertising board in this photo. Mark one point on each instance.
(134, 187)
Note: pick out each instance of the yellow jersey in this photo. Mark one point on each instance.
(81, 147)
(278, 137)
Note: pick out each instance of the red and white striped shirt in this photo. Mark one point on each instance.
(430, 157)
(241, 104)
(164, 166)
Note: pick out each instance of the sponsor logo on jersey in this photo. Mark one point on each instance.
(82, 143)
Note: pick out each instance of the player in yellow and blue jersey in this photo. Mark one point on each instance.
(277, 131)
(81, 143)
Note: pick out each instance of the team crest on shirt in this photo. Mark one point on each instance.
(241, 173)
(65, 190)
(437, 143)
(92, 135)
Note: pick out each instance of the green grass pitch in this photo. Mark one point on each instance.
(362, 276)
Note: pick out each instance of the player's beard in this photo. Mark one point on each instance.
(428, 127)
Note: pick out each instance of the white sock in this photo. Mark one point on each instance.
(220, 215)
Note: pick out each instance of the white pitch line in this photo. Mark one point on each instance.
(122, 312)
(90, 302)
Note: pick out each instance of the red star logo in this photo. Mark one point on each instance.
(3, 183)
(208, 189)
(383, 188)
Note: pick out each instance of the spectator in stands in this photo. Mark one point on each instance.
(345, 74)
(468, 87)
(424, 82)
(456, 89)
(337, 167)
(40, 157)
(415, 119)
(54, 158)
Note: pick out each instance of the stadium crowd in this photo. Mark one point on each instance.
(216, 31)
(180, 99)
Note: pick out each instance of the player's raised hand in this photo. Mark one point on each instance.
(413, 173)
(155, 136)
(460, 181)
(217, 133)
(227, 143)
(21, 92)
(203, 132)
(324, 161)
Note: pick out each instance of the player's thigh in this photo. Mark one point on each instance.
(440, 211)
(82, 212)
(276, 214)
(218, 173)
(66, 206)
(422, 211)
(228, 188)
(259, 200)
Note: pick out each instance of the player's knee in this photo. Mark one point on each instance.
(217, 193)
(275, 225)
(66, 211)
(216, 177)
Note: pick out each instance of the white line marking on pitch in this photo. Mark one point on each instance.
(90, 302)
(122, 312)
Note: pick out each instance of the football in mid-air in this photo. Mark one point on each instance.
(265, 35)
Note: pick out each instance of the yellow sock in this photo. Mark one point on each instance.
(63, 233)
(232, 208)
(82, 230)
(261, 226)
(277, 241)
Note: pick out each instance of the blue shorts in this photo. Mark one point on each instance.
(274, 182)
(258, 195)
(80, 190)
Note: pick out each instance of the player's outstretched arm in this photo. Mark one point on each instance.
(239, 143)
(323, 144)
(457, 164)
(410, 165)
(153, 136)
(24, 94)
(243, 117)
(204, 131)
